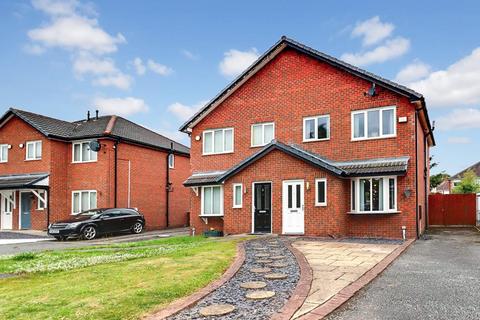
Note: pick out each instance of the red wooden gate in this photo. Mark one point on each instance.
(452, 209)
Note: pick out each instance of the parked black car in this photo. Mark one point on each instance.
(90, 224)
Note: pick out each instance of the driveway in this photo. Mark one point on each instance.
(52, 244)
(438, 278)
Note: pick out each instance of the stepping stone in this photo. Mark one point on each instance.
(260, 270)
(277, 257)
(262, 255)
(261, 249)
(275, 276)
(260, 294)
(216, 310)
(278, 265)
(264, 261)
(253, 285)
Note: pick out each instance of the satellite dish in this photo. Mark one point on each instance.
(95, 145)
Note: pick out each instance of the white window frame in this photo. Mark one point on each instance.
(1, 147)
(81, 153)
(203, 214)
(386, 195)
(316, 128)
(171, 161)
(39, 202)
(34, 144)
(80, 200)
(317, 202)
(264, 142)
(365, 127)
(213, 141)
(234, 186)
(6, 196)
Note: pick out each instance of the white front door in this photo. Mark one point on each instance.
(6, 209)
(293, 207)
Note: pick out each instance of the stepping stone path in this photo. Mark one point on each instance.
(264, 261)
(260, 294)
(253, 285)
(275, 276)
(260, 270)
(216, 310)
(277, 257)
(261, 249)
(278, 265)
(262, 255)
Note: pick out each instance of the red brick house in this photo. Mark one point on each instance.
(303, 143)
(48, 170)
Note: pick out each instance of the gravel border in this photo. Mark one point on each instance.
(232, 293)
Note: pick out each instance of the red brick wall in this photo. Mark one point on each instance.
(293, 86)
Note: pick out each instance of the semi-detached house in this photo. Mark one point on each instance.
(48, 170)
(303, 143)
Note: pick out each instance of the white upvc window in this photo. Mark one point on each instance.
(316, 128)
(83, 200)
(218, 141)
(212, 201)
(374, 123)
(171, 161)
(3, 152)
(33, 150)
(8, 199)
(262, 133)
(237, 195)
(40, 204)
(81, 152)
(374, 194)
(321, 192)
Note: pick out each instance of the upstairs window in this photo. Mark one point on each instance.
(82, 152)
(171, 161)
(262, 134)
(373, 123)
(218, 141)
(316, 128)
(33, 150)
(3, 152)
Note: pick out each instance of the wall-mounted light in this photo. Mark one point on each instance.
(9, 146)
(20, 145)
(308, 185)
(372, 92)
(197, 138)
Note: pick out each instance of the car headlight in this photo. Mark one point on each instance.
(73, 225)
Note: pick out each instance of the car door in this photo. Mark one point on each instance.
(110, 221)
(130, 217)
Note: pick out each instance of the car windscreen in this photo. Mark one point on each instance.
(91, 213)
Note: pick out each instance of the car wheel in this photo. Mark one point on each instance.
(137, 228)
(89, 233)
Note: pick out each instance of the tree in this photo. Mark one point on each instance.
(438, 178)
(468, 184)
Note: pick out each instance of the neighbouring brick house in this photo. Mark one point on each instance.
(48, 171)
(303, 143)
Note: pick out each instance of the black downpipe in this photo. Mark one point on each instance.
(47, 192)
(416, 175)
(115, 175)
(167, 186)
(427, 187)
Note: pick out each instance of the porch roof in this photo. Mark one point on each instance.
(341, 169)
(24, 181)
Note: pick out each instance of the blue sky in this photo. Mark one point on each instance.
(156, 62)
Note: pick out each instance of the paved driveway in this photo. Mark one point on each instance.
(435, 279)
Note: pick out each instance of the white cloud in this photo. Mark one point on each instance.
(459, 140)
(119, 80)
(139, 66)
(235, 61)
(33, 49)
(372, 30)
(158, 68)
(189, 55)
(85, 63)
(184, 112)
(56, 8)
(391, 49)
(121, 106)
(415, 71)
(457, 85)
(459, 119)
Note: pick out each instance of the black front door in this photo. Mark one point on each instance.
(263, 207)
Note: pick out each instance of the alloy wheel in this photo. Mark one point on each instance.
(89, 233)
(137, 227)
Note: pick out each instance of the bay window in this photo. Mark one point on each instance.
(374, 195)
(374, 123)
(262, 134)
(316, 128)
(212, 201)
(218, 141)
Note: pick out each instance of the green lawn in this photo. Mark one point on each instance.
(143, 276)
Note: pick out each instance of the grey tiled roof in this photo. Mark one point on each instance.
(18, 181)
(122, 129)
(475, 168)
(355, 168)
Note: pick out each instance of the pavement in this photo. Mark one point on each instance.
(335, 265)
(14, 242)
(436, 278)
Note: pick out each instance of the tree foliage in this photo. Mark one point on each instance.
(438, 178)
(468, 184)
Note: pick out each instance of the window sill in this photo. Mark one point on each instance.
(373, 138)
(320, 204)
(315, 140)
(216, 154)
(373, 212)
(80, 162)
(237, 207)
(33, 159)
(211, 216)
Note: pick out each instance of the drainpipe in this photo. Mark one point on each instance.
(48, 206)
(115, 174)
(167, 186)
(416, 175)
